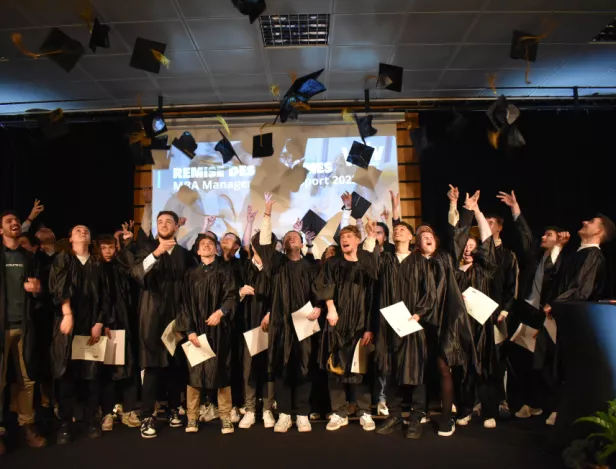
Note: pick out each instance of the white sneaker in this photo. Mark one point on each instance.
(315, 416)
(381, 409)
(107, 425)
(426, 419)
(248, 420)
(367, 423)
(131, 419)
(335, 422)
(489, 423)
(303, 424)
(526, 412)
(118, 411)
(454, 410)
(243, 410)
(268, 419)
(283, 424)
(192, 427)
(463, 422)
(235, 415)
(551, 419)
(208, 413)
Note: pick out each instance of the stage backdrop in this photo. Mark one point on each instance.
(308, 171)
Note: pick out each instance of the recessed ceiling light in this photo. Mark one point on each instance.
(295, 30)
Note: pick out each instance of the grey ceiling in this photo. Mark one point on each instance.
(445, 47)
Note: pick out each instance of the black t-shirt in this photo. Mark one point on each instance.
(15, 269)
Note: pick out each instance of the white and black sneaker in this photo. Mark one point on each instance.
(175, 421)
(446, 427)
(192, 427)
(227, 426)
(147, 428)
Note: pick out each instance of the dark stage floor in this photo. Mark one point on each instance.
(513, 444)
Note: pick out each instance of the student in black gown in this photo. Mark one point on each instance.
(404, 360)
(346, 284)
(209, 302)
(292, 362)
(159, 271)
(120, 379)
(77, 285)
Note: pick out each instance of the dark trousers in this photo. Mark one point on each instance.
(170, 380)
(70, 390)
(414, 397)
(286, 393)
(127, 388)
(475, 388)
(319, 393)
(338, 393)
(525, 385)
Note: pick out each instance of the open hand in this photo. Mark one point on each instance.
(385, 214)
(269, 203)
(298, 225)
(36, 210)
(395, 200)
(310, 235)
(147, 195)
(453, 194)
(251, 214)
(471, 203)
(347, 200)
(370, 227)
(508, 199)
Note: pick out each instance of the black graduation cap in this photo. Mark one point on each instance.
(154, 124)
(225, 148)
(250, 8)
(390, 77)
(497, 112)
(160, 143)
(360, 155)
(524, 46)
(300, 92)
(364, 125)
(70, 49)
(141, 155)
(313, 222)
(262, 145)
(144, 57)
(52, 124)
(186, 144)
(359, 205)
(99, 36)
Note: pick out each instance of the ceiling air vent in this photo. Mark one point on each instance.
(607, 34)
(295, 30)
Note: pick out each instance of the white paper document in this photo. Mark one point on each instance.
(361, 357)
(550, 326)
(196, 355)
(170, 338)
(525, 337)
(304, 327)
(499, 337)
(82, 351)
(398, 317)
(478, 305)
(116, 346)
(256, 340)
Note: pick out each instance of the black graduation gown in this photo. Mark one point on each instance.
(351, 285)
(208, 288)
(403, 358)
(28, 325)
(44, 314)
(289, 359)
(504, 285)
(122, 314)
(159, 302)
(84, 286)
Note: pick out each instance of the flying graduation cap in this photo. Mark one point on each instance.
(312, 222)
(262, 145)
(62, 49)
(298, 95)
(364, 125)
(251, 8)
(359, 206)
(154, 124)
(99, 36)
(149, 55)
(360, 154)
(390, 77)
(503, 117)
(225, 148)
(186, 144)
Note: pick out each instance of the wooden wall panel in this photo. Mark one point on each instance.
(409, 172)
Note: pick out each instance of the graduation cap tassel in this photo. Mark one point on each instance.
(527, 71)
(347, 116)
(492, 82)
(221, 120)
(17, 39)
(275, 91)
(301, 106)
(493, 139)
(161, 58)
(88, 17)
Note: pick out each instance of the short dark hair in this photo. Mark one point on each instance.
(171, 214)
(407, 226)
(555, 228)
(211, 234)
(609, 230)
(6, 213)
(385, 229)
(203, 236)
(499, 220)
(106, 239)
(32, 239)
(237, 238)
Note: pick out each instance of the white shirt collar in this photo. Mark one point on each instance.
(257, 265)
(171, 250)
(586, 246)
(465, 267)
(83, 259)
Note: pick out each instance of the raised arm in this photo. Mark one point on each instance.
(395, 207)
(250, 219)
(146, 218)
(453, 216)
(522, 230)
(35, 212)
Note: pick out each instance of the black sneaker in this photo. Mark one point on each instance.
(414, 430)
(227, 426)
(94, 430)
(388, 426)
(446, 427)
(147, 428)
(175, 421)
(64, 434)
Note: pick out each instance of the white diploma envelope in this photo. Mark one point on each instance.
(525, 337)
(550, 326)
(256, 340)
(398, 316)
(197, 355)
(360, 358)
(82, 351)
(169, 338)
(116, 348)
(478, 305)
(304, 327)
(499, 337)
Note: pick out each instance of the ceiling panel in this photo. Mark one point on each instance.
(406, 93)
(77, 90)
(370, 30)
(214, 33)
(444, 5)
(12, 16)
(578, 27)
(369, 6)
(136, 10)
(10, 109)
(348, 82)
(27, 91)
(453, 79)
(130, 88)
(44, 70)
(495, 28)
(201, 9)
(436, 28)
(50, 13)
(485, 57)
(608, 79)
(301, 60)
(12, 73)
(171, 33)
(286, 7)
(184, 63)
(415, 57)
(588, 76)
(32, 40)
(587, 5)
(242, 85)
(110, 67)
(228, 62)
(523, 5)
(353, 59)
(468, 93)
(487, 93)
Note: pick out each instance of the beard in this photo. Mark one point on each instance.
(166, 237)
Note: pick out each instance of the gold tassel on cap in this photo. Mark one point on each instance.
(347, 116)
(161, 58)
(493, 139)
(301, 106)
(275, 90)
(492, 82)
(550, 25)
(223, 122)
(18, 39)
(293, 76)
(87, 16)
